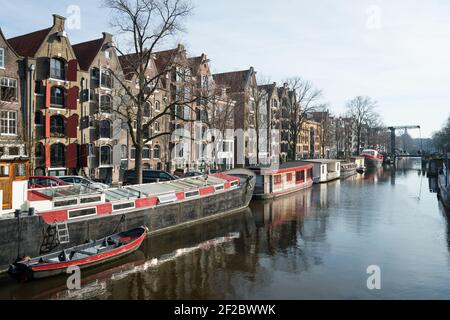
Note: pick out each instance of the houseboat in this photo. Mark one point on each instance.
(372, 158)
(348, 169)
(444, 184)
(56, 218)
(283, 179)
(325, 170)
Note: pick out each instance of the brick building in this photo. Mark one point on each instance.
(51, 106)
(12, 132)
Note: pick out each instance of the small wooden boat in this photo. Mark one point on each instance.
(83, 256)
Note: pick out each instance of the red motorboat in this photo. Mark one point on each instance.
(83, 256)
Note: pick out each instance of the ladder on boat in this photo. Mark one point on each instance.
(62, 232)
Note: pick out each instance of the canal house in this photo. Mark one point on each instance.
(288, 177)
(325, 169)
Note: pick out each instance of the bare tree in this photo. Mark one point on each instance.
(362, 111)
(441, 139)
(306, 101)
(220, 116)
(146, 24)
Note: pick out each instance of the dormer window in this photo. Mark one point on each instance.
(57, 69)
(2, 58)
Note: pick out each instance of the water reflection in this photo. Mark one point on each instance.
(316, 243)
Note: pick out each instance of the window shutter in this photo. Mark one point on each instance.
(84, 155)
(96, 160)
(72, 68)
(72, 96)
(72, 156)
(71, 128)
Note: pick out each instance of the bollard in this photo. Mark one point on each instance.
(31, 211)
(17, 213)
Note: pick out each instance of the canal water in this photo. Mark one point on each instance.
(314, 244)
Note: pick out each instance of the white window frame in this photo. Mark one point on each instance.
(2, 58)
(8, 119)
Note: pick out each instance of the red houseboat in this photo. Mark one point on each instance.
(276, 181)
(372, 158)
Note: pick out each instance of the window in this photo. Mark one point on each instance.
(146, 153)
(105, 129)
(147, 109)
(106, 104)
(105, 155)
(2, 58)
(133, 153)
(8, 122)
(289, 177)
(13, 151)
(156, 126)
(57, 155)
(300, 176)
(157, 106)
(20, 169)
(8, 89)
(157, 152)
(107, 54)
(57, 69)
(123, 151)
(57, 125)
(57, 96)
(277, 179)
(106, 79)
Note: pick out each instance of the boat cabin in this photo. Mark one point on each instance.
(286, 178)
(13, 181)
(325, 169)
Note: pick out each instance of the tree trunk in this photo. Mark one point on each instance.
(358, 140)
(138, 164)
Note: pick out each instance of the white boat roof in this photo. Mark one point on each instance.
(322, 160)
(132, 191)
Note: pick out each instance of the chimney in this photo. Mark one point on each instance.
(107, 37)
(58, 22)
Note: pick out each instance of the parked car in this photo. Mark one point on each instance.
(193, 173)
(77, 180)
(148, 176)
(35, 182)
(180, 172)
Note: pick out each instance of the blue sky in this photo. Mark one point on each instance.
(394, 51)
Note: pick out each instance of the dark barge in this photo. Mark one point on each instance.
(73, 219)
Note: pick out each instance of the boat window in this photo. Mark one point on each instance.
(234, 184)
(90, 199)
(64, 203)
(289, 177)
(82, 213)
(300, 176)
(4, 171)
(167, 198)
(191, 194)
(277, 179)
(221, 187)
(122, 206)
